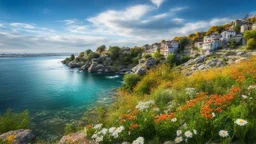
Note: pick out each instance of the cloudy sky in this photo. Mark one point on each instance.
(35, 26)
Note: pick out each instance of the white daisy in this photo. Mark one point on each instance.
(179, 132)
(213, 114)
(156, 109)
(99, 139)
(98, 126)
(244, 96)
(241, 122)
(223, 133)
(94, 136)
(140, 140)
(104, 131)
(112, 129)
(174, 120)
(194, 131)
(188, 134)
(178, 139)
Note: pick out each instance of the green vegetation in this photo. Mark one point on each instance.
(183, 42)
(250, 34)
(130, 81)
(13, 121)
(101, 48)
(214, 106)
(72, 57)
(251, 43)
(171, 59)
(114, 52)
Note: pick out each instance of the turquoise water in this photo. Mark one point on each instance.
(53, 93)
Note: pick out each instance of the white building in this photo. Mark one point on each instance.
(169, 47)
(226, 36)
(245, 27)
(254, 26)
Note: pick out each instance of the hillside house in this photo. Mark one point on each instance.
(237, 23)
(254, 26)
(169, 47)
(199, 45)
(245, 27)
(227, 35)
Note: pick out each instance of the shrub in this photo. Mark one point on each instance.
(163, 96)
(146, 56)
(70, 128)
(114, 52)
(72, 57)
(13, 121)
(251, 44)
(171, 59)
(130, 81)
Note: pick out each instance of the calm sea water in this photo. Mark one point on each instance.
(53, 93)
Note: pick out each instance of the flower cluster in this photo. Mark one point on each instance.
(191, 92)
(98, 136)
(144, 105)
(163, 117)
(139, 140)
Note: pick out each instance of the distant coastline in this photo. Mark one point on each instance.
(32, 54)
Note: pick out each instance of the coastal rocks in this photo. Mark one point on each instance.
(199, 59)
(75, 64)
(140, 71)
(21, 136)
(85, 66)
(75, 138)
(95, 67)
(150, 62)
(215, 63)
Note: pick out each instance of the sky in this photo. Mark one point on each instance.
(71, 26)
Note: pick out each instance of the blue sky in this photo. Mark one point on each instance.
(33, 26)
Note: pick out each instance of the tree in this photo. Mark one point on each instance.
(101, 48)
(251, 44)
(184, 41)
(250, 34)
(72, 57)
(171, 59)
(88, 51)
(114, 52)
(130, 81)
(81, 54)
(232, 43)
(237, 29)
(92, 55)
(157, 55)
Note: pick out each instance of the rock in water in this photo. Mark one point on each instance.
(85, 66)
(95, 67)
(22, 136)
(75, 138)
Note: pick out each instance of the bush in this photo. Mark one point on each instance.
(130, 81)
(70, 128)
(13, 121)
(72, 57)
(171, 59)
(162, 96)
(146, 56)
(114, 52)
(251, 44)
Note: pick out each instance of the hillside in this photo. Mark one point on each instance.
(213, 105)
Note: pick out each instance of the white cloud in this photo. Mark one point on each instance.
(176, 9)
(1, 25)
(22, 25)
(178, 20)
(158, 3)
(201, 25)
(70, 21)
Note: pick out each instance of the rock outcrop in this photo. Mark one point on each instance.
(22, 136)
(95, 67)
(75, 138)
(74, 64)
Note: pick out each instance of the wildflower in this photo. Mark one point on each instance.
(213, 114)
(244, 96)
(223, 133)
(194, 131)
(250, 98)
(188, 134)
(120, 129)
(251, 87)
(143, 106)
(112, 129)
(178, 139)
(99, 139)
(115, 134)
(174, 120)
(139, 140)
(241, 122)
(156, 109)
(191, 92)
(104, 131)
(179, 132)
(97, 126)
(94, 136)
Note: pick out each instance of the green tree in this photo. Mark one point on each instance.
(101, 48)
(130, 81)
(81, 54)
(114, 52)
(171, 59)
(184, 41)
(88, 51)
(251, 44)
(250, 34)
(72, 57)
(92, 55)
(232, 43)
(237, 29)
(157, 55)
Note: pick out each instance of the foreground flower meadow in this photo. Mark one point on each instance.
(218, 105)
